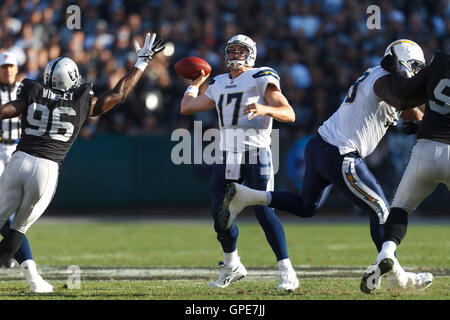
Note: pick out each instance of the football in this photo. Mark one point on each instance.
(191, 67)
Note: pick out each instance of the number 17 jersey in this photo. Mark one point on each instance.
(237, 132)
(53, 119)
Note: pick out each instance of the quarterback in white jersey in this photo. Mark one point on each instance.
(231, 95)
(335, 156)
(246, 99)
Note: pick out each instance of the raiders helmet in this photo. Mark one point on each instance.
(250, 55)
(62, 74)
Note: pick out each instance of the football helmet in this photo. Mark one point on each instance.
(250, 55)
(62, 74)
(409, 53)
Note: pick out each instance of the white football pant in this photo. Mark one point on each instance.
(6, 151)
(26, 187)
(429, 165)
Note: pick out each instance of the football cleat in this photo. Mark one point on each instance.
(34, 280)
(39, 285)
(372, 277)
(423, 280)
(289, 281)
(236, 200)
(228, 275)
(419, 281)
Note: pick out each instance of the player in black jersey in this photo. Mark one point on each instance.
(52, 116)
(430, 158)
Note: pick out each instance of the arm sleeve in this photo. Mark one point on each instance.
(408, 88)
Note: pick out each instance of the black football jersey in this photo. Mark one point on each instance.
(436, 120)
(52, 119)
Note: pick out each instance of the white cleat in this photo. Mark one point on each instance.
(228, 275)
(410, 280)
(39, 285)
(397, 277)
(236, 199)
(289, 281)
(423, 280)
(372, 277)
(34, 279)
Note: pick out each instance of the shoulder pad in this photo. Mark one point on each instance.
(29, 85)
(439, 55)
(269, 72)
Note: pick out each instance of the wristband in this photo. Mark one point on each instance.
(141, 64)
(192, 90)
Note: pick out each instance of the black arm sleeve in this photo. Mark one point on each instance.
(405, 88)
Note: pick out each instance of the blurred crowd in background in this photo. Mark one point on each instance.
(318, 47)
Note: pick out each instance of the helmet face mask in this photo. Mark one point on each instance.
(247, 52)
(62, 74)
(416, 65)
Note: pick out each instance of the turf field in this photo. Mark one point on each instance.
(174, 260)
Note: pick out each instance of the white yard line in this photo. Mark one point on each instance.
(90, 273)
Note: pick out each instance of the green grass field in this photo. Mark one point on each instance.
(174, 260)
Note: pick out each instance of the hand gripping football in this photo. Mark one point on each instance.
(191, 67)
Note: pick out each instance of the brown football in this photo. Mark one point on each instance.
(190, 67)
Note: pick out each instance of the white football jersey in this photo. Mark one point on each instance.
(237, 133)
(362, 119)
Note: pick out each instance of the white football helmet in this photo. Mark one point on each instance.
(62, 74)
(409, 53)
(250, 56)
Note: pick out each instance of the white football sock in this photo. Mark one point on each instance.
(256, 197)
(231, 259)
(29, 269)
(387, 250)
(285, 264)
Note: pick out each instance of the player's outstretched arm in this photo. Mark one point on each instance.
(396, 89)
(107, 100)
(278, 106)
(385, 89)
(192, 102)
(12, 109)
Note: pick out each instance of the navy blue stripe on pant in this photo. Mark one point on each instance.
(255, 176)
(325, 167)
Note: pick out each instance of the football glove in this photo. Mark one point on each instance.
(148, 51)
(391, 63)
(410, 127)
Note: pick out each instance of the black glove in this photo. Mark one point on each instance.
(391, 63)
(410, 127)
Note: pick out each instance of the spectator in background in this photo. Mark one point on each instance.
(319, 45)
